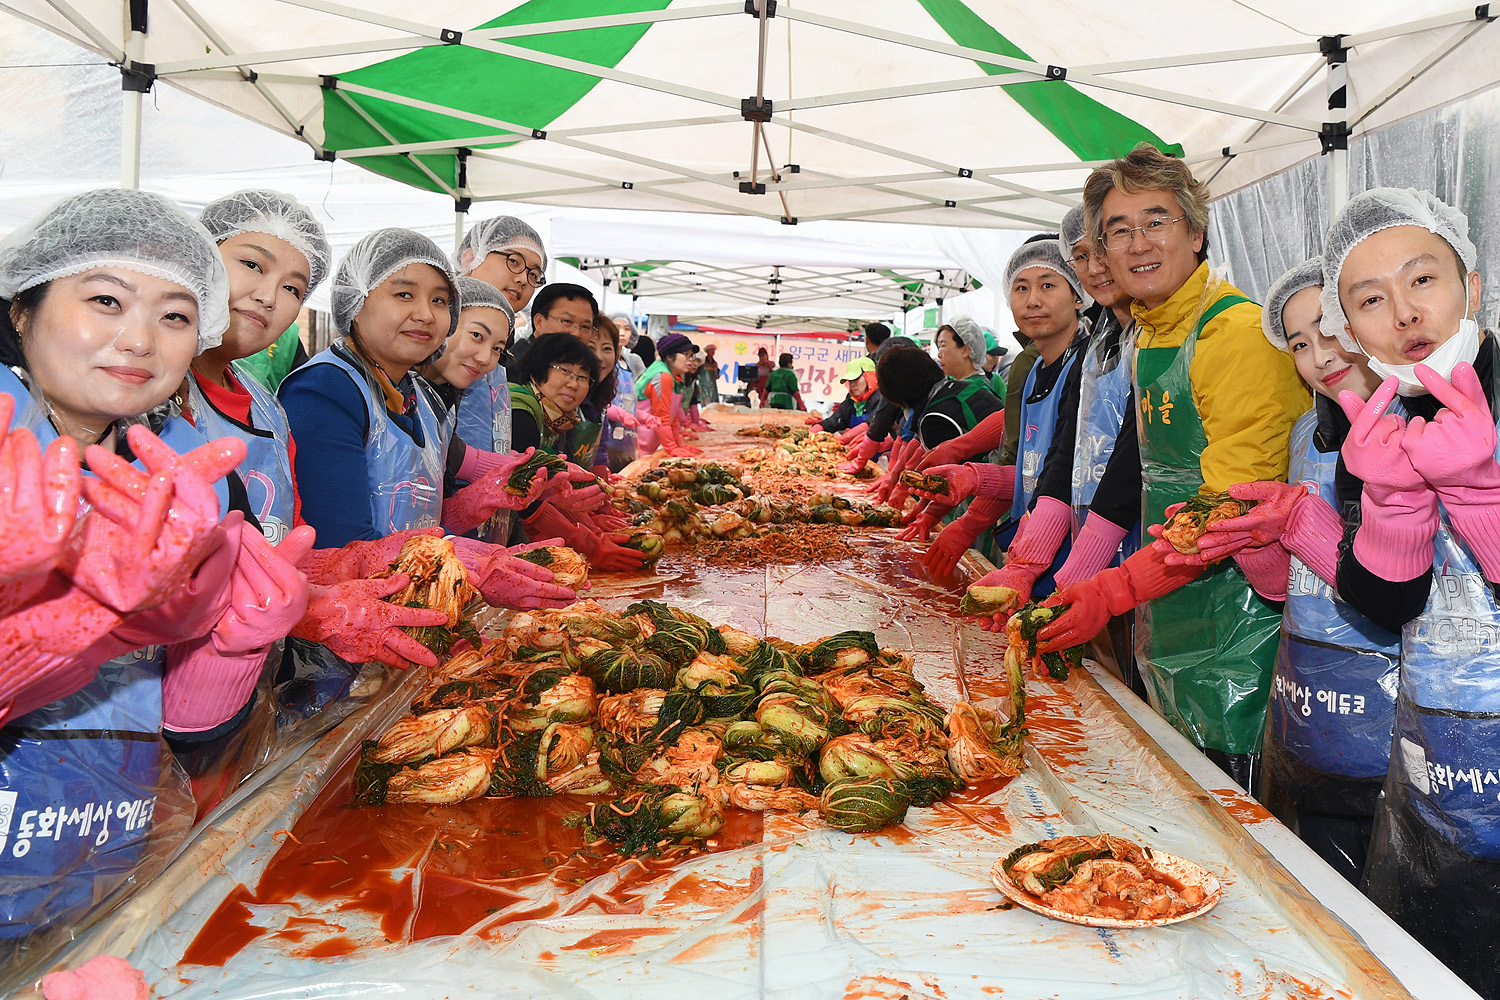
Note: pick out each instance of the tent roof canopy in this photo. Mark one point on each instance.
(981, 113)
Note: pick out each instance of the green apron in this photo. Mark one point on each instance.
(1207, 649)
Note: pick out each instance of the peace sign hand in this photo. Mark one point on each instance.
(1455, 451)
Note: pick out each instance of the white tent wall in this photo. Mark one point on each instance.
(1454, 152)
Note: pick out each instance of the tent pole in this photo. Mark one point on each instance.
(1335, 135)
(458, 232)
(130, 126)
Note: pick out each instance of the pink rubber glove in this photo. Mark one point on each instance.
(360, 558)
(103, 977)
(1268, 568)
(920, 521)
(860, 455)
(958, 537)
(1091, 603)
(508, 582)
(853, 434)
(47, 648)
(986, 436)
(886, 481)
(353, 619)
(38, 500)
(267, 594)
(1399, 510)
(198, 604)
(620, 416)
(1263, 524)
(1038, 537)
(1097, 542)
(487, 474)
(152, 528)
(1313, 534)
(1450, 454)
(606, 522)
(203, 688)
(647, 421)
(962, 484)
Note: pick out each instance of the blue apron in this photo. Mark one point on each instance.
(81, 778)
(267, 468)
(1445, 755)
(1103, 406)
(405, 481)
(1038, 425)
(1333, 695)
(484, 423)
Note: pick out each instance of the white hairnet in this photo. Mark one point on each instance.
(374, 259)
(971, 336)
(474, 294)
(505, 232)
(1308, 274)
(1070, 231)
(1044, 253)
(1375, 210)
(275, 214)
(136, 230)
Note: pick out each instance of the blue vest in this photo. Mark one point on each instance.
(1333, 696)
(405, 482)
(1038, 425)
(267, 468)
(484, 423)
(80, 778)
(1445, 755)
(1103, 406)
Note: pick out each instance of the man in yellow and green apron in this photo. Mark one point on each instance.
(1215, 404)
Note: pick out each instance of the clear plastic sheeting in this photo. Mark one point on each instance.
(494, 898)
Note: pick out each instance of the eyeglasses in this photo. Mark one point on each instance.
(573, 377)
(1080, 260)
(517, 265)
(1156, 231)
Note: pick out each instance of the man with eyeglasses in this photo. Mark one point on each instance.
(1215, 404)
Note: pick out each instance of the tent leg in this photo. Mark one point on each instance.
(130, 131)
(458, 233)
(1338, 181)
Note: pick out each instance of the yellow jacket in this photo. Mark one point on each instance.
(1248, 393)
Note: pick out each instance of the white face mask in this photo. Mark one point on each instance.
(1462, 346)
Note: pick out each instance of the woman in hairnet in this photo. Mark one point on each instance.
(960, 350)
(1420, 486)
(110, 294)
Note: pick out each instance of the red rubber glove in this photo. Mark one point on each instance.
(853, 434)
(601, 550)
(920, 521)
(860, 455)
(1038, 537)
(1092, 602)
(267, 594)
(38, 500)
(152, 528)
(958, 537)
(962, 484)
(353, 619)
(986, 436)
(1399, 510)
(360, 558)
(47, 647)
(605, 553)
(508, 582)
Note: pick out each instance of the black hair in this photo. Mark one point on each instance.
(645, 349)
(549, 295)
(26, 302)
(553, 349)
(785, 361)
(604, 390)
(906, 375)
(877, 333)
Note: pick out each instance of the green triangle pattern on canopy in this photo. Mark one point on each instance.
(1089, 129)
(478, 82)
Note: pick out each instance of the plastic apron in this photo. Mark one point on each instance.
(1206, 649)
(1038, 426)
(621, 444)
(81, 779)
(1333, 700)
(267, 468)
(483, 422)
(1103, 403)
(583, 440)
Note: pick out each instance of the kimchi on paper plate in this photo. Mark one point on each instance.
(1105, 881)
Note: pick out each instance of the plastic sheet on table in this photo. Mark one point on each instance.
(500, 898)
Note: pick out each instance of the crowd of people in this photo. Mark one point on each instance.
(171, 519)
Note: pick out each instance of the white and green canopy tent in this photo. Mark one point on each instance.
(977, 114)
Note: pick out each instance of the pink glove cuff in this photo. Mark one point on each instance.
(470, 469)
(986, 511)
(1313, 532)
(1267, 568)
(203, 688)
(1092, 550)
(1041, 534)
(1393, 543)
(997, 481)
(1480, 527)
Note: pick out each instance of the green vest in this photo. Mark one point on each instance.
(1208, 648)
(781, 389)
(522, 398)
(654, 371)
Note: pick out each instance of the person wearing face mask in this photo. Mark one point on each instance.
(108, 295)
(1215, 404)
(1419, 487)
(656, 393)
